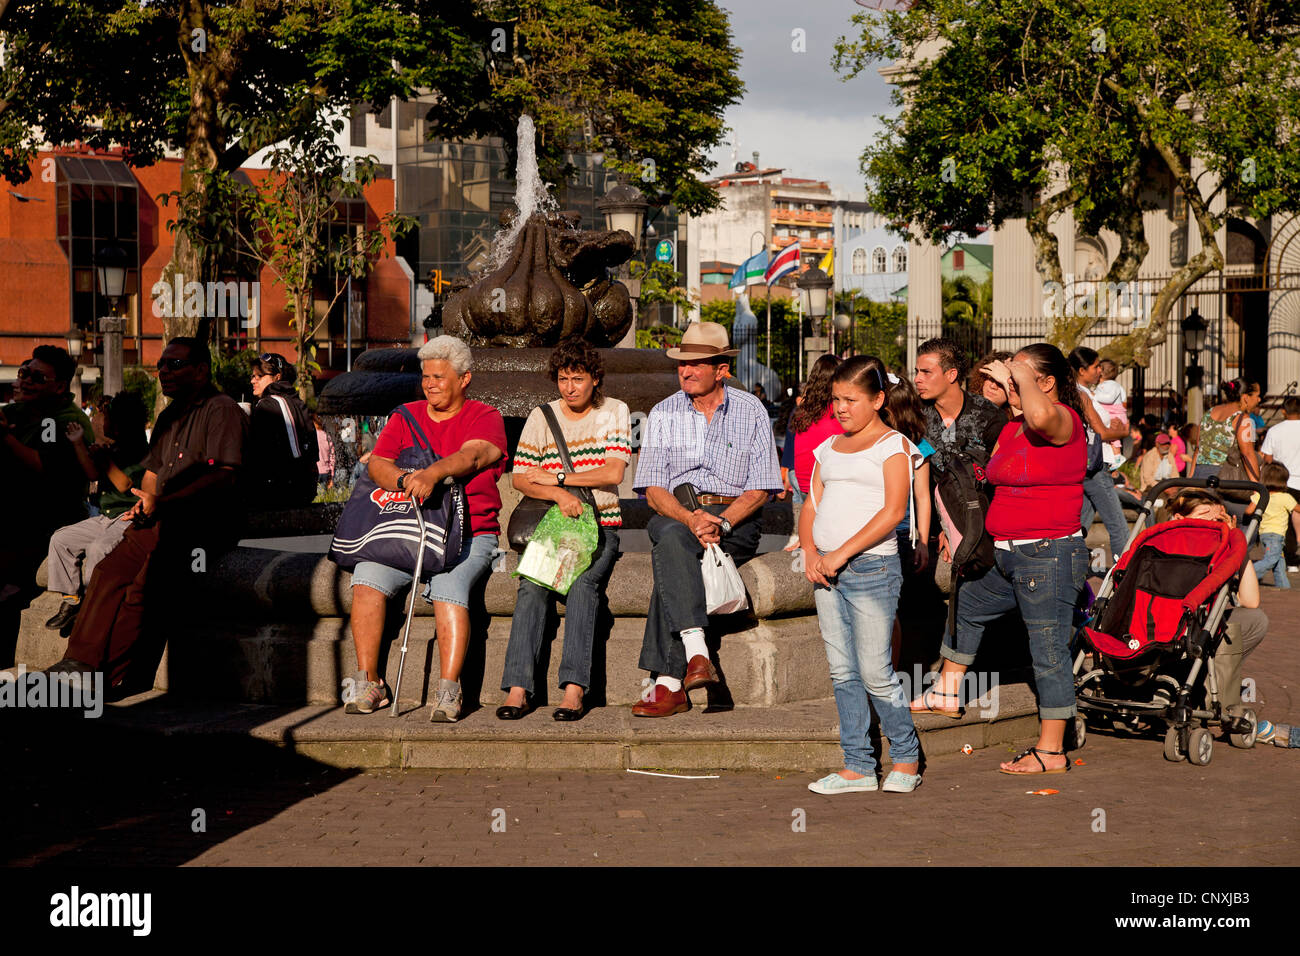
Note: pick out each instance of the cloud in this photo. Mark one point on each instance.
(797, 113)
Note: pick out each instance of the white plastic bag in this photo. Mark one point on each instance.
(724, 591)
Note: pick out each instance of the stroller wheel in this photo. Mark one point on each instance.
(1247, 739)
(1080, 732)
(1200, 746)
(1172, 752)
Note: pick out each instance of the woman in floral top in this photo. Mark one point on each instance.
(1226, 423)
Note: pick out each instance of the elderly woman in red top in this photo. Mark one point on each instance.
(1037, 471)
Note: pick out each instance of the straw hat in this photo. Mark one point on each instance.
(703, 340)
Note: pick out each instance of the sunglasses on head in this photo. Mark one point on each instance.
(25, 371)
(276, 363)
(173, 364)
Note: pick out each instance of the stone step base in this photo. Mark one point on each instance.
(802, 736)
(287, 661)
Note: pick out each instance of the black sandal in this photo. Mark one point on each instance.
(1034, 752)
(927, 709)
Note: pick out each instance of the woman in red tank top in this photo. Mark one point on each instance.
(1037, 471)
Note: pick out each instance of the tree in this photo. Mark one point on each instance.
(645, 81)
(282, 223)
(1017, 108)
(217, 80)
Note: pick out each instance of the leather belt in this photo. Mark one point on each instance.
(716, 499)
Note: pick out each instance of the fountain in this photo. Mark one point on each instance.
(546, 279)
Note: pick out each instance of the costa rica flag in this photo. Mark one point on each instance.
(785, 262)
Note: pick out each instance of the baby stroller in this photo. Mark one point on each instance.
(1158, 623)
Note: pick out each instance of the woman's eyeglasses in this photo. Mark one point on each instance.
(32, 375)
(173, 364)
(276, 363)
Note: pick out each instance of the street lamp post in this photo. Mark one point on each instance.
(844, 323)
(816, 284)
(624, 207)
(1194, 328)
(110, 269)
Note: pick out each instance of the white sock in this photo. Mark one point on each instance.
(693, 639)
(672, 683)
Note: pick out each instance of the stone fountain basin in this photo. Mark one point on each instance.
(512, 380)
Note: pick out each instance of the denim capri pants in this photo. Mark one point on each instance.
(449, 587)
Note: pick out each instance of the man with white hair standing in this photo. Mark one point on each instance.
(469, 438)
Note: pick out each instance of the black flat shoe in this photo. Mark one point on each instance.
(507, 712)
(569, 713)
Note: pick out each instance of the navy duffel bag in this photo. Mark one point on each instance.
(380, 526)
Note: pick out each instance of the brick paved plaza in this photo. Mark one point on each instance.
(105, 794)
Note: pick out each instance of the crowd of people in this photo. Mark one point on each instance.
(886, 470)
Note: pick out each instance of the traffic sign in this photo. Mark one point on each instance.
(664, 251)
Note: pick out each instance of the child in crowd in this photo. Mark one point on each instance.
(1111, 400)
(1272, 527)
(859, 492)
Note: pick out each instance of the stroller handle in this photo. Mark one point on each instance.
(1212, 483)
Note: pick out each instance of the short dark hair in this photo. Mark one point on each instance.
(950, 356)
(198, 349)
(1274, 476)
(1292, 405)
(576, 354)
(64, 365)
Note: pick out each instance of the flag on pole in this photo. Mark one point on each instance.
(786, 261)
(828, 263)
(749, 272)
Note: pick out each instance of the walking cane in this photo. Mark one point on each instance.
(410, 612)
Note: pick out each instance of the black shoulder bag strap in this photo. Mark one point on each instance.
(565, 461)
(417, 432)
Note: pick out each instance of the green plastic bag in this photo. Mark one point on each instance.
(560, 549)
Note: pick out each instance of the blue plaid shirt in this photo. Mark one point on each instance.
(730, 455)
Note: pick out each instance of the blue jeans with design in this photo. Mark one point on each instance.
(856, 615)
(1273, 560)
(581, 606)
(1043, 579)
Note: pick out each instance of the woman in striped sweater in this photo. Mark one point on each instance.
(596, 431)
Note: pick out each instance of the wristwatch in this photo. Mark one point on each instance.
(559, 478)
(401, 479)
(725, 526)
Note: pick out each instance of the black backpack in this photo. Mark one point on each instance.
(961, 486)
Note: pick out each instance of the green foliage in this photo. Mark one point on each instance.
(645, 81)
(231, 373)
(136, 379)
(659, 283)
(282, 224)
(658, 337)
(1098, 108)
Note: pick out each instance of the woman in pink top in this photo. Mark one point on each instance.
(1037, 470)
(813, 421)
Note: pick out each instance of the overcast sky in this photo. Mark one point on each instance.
(796, 111)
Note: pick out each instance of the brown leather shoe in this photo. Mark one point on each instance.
(662, 703)
(700, 672)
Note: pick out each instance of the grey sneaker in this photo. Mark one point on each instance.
(447, 708)
(367, 696)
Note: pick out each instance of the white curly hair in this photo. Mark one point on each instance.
(448, 348)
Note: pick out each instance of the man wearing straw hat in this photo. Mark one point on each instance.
(706, 467)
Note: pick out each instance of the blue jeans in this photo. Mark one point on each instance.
(532, 605)
(1043, 580)
(856, 615)
(1101, 497)
(1273, 560)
